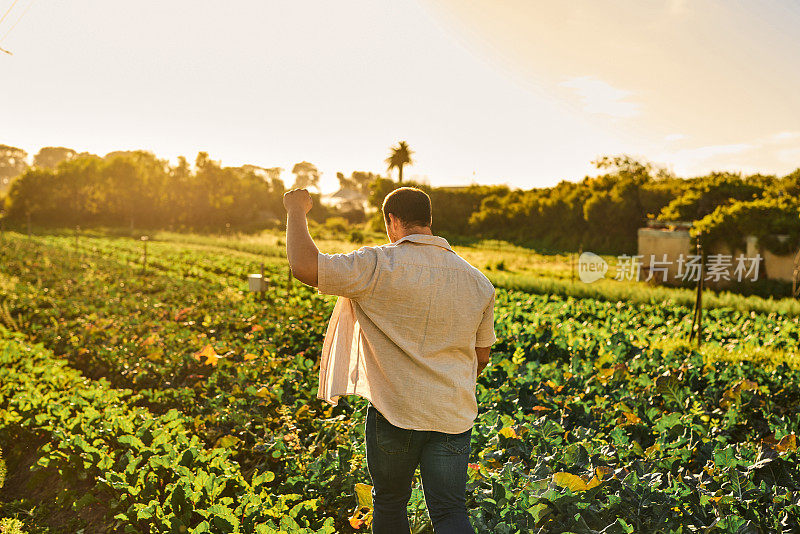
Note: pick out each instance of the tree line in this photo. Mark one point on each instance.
(603, 213)
(138, 189)
(600, 213)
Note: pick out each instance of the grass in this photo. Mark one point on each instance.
(764, 356)
(506, 265)
(640, 292)
(513, 267)
(546, 274)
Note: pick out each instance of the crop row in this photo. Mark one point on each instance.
(587, 421)
(146, 333)
(117, 464)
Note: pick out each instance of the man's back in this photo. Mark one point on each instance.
(420, 311)
(410, 333)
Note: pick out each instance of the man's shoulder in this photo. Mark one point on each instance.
(442, 257)
(361, 251)
(475, 273)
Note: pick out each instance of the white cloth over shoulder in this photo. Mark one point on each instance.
(340, 366)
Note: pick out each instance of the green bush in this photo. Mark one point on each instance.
(764, 218)
(337, 224)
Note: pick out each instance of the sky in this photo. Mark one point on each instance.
(521, 92)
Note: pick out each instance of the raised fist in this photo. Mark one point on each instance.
(297, 199)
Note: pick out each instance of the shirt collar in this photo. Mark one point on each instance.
(426, 239)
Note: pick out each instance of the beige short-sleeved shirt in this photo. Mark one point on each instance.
(404, 331)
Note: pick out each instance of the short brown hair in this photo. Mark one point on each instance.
(409, 204)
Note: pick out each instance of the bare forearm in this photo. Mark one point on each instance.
(483, 358)
(301, 250)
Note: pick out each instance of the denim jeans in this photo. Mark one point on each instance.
(393, 455)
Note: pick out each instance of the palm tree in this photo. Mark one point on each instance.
(399, 156)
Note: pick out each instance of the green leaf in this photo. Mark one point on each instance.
(724, 458)
(180, 502)
(263, 478)
(667, 421)
(226, 442)
(146, 512)
(670, 388)
(223, 518)
(201, 528)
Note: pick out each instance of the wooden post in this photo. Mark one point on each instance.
(144, 239)
(697, 319)
(572, 267)
(288, 282)
(77, 229)
(700, 300)
(263, 283)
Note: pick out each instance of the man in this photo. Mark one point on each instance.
(410, 332)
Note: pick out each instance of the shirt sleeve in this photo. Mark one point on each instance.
(349, 275)
(485, 336)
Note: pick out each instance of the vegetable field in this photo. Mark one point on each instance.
(172, 400)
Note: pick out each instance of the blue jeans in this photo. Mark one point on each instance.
(393, 455)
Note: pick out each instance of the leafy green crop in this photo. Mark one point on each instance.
(179, 399)
(138, 470)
